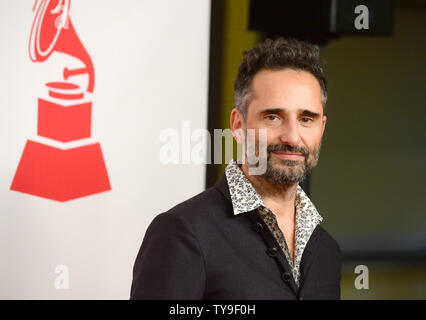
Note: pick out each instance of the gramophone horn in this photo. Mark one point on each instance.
(52, 30)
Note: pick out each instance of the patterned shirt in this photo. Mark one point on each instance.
(245, 198)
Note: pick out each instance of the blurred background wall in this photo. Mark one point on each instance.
(369, 184)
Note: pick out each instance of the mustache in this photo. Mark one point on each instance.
(288, 148)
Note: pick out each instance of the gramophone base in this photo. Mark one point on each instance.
(61, 175)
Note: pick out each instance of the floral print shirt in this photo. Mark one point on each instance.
(245, 198)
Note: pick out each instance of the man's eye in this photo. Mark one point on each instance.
(271, 117)
(306, 119)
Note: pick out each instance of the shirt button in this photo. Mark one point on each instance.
(272, 252)
(258, 226)
(286, 277)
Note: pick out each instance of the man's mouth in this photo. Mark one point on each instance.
(286, 155)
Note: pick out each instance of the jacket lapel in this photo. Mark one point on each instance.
(222, 186)
(309, 254)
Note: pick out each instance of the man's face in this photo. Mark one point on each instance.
(288, 104)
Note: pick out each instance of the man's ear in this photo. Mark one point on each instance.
(237, 125)
(324, 120)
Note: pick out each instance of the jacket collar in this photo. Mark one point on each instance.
(222, 186)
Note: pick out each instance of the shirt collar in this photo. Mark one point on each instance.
(245, 198)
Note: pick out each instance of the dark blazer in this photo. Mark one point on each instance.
(200, 250)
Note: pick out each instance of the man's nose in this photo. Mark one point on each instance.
(289, 133)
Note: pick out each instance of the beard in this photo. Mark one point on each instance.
(288, 172)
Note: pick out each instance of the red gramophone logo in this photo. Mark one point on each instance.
(64, 116)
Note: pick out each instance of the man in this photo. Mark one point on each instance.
(253, 236)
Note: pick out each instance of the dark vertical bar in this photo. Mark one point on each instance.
(214, 94)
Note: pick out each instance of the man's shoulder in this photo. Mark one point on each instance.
(327, 239)
(201, 208)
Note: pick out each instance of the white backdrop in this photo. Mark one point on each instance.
(151, 67)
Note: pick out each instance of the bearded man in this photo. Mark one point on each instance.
(255, 234)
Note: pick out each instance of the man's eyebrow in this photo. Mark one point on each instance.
(272, 110)
(305, 112)
(310, 113)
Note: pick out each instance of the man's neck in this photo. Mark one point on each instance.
(277, 197)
